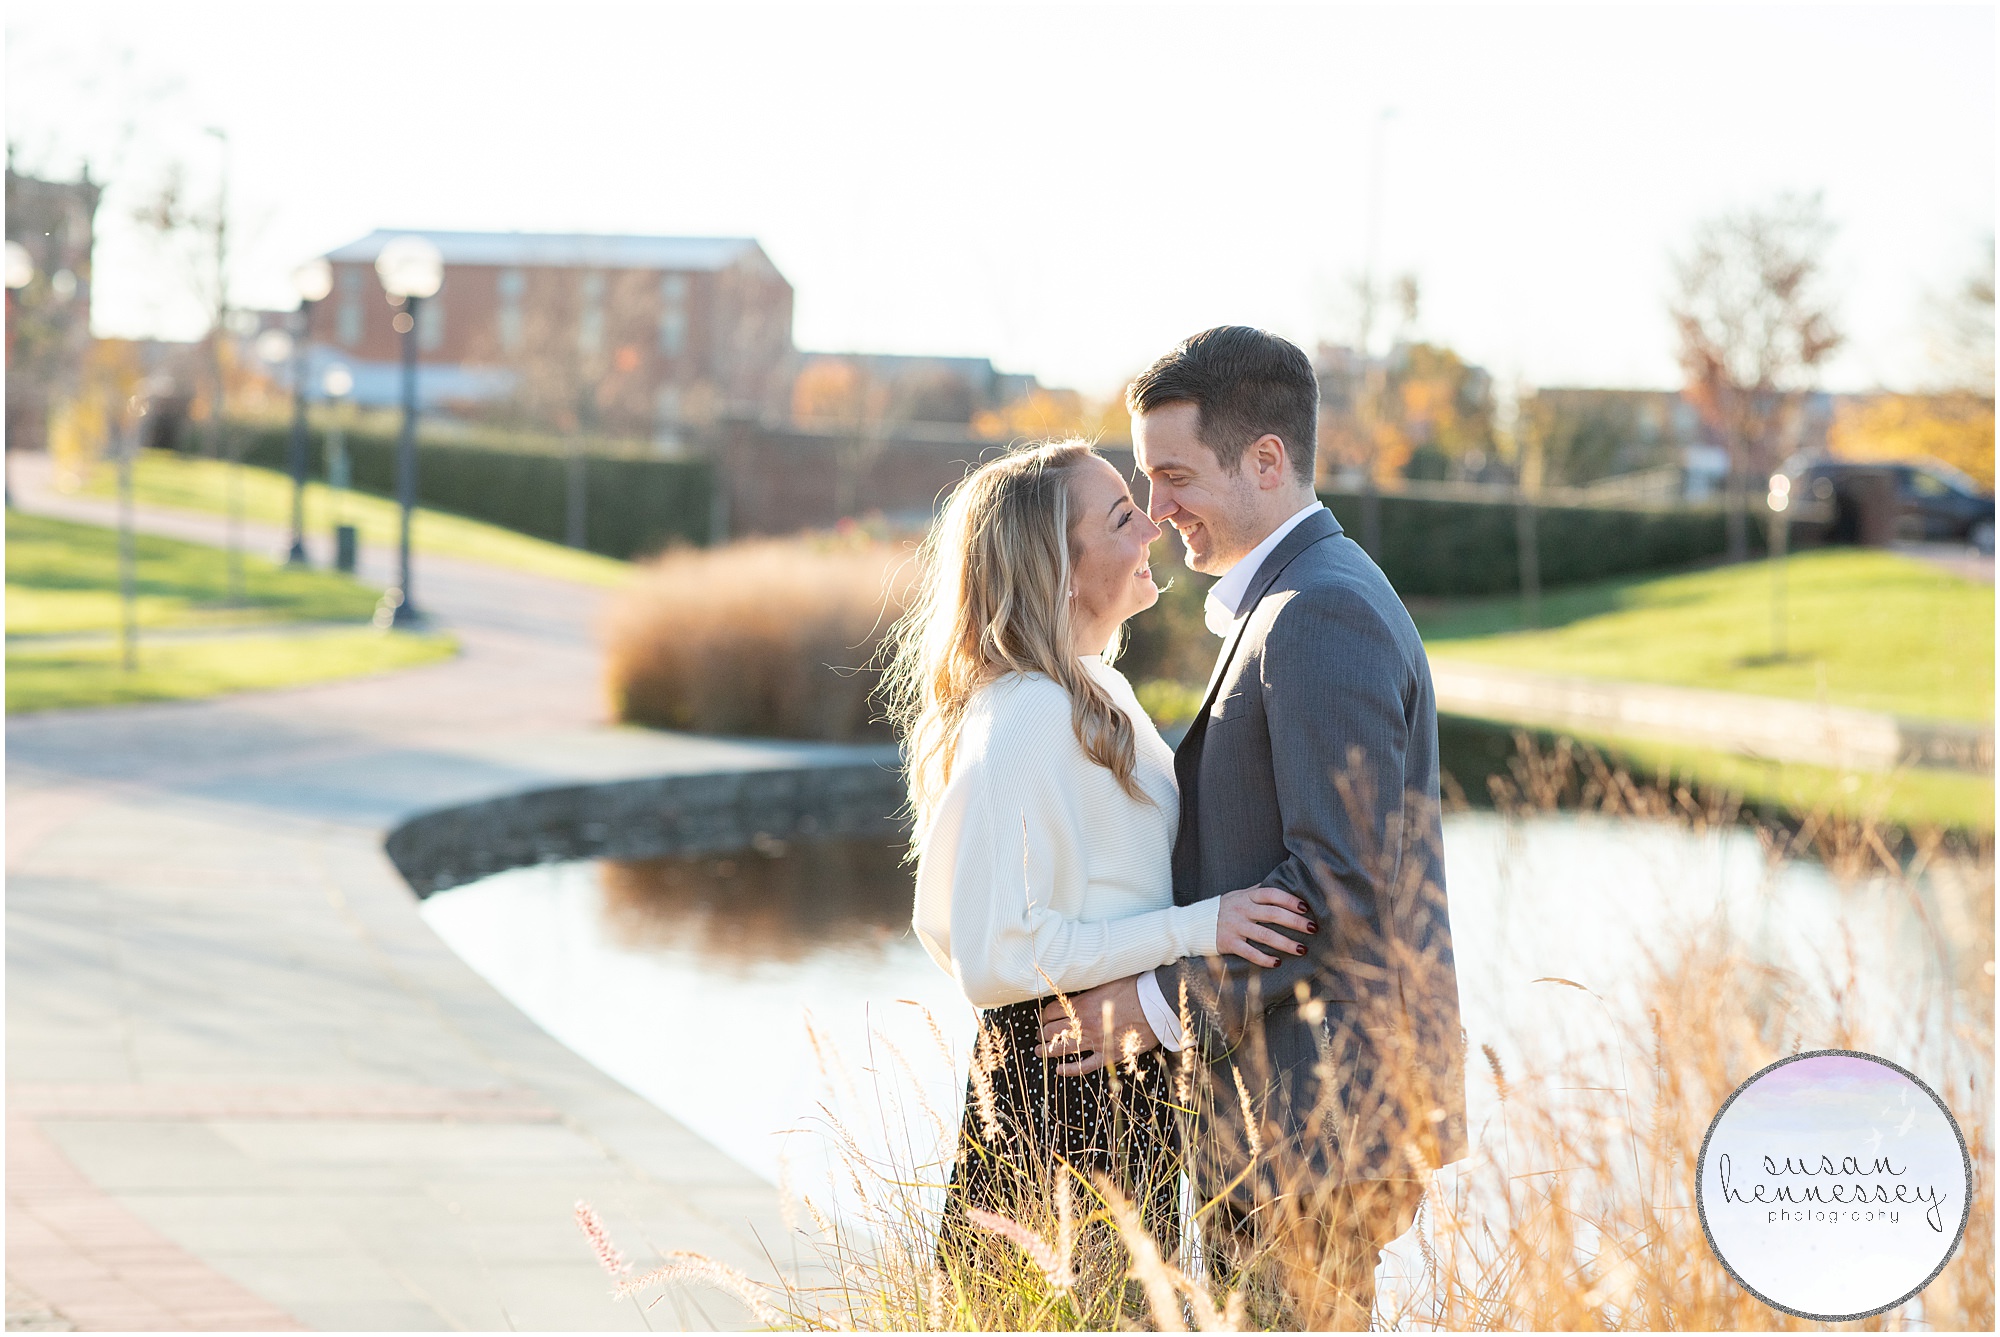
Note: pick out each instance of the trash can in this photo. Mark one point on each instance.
(346, 547)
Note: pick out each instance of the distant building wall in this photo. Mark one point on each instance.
(48, 322)
(635, 337)
(781, 480)
(831, 391)
(1668, 419)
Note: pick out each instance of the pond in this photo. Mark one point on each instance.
(742, 994)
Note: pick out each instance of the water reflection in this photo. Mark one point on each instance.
(758, 998)
(693, 980)
(769, 903)
(698, 993)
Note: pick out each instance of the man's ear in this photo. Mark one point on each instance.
(1268, 462)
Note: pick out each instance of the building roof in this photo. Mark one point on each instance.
(573, 250)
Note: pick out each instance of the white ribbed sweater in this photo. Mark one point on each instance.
(1038, 872)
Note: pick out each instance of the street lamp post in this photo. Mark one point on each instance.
(337, 384)
(20, 273)
(1373, 378)
(20, 267)
(224, 443)
(314, 280)
(1779, 499)
(1529, 462)
(128, 556)
(411, 270)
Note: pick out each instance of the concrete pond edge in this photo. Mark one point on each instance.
(683, 814)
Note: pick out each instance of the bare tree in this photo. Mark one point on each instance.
(201, 238)
(1755, 325)
(195, 236)
(1959, 330)
(1409, 300)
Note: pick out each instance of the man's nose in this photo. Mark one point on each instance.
(1159, 503)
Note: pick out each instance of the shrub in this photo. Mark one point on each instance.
(1433, 543)
(773, 637)
(1171, 640)
(632, 506)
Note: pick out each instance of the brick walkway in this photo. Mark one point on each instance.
(76, 1250)
(247, 1086)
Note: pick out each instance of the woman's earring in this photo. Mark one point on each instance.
(1072, 594)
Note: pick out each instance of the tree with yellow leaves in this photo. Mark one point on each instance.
(1422, 398)
(838, 391)
(1956, 428)
(1755, 323)
(1043, 413)
(84, 427)
(1954, 423)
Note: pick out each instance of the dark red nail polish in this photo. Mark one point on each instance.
(1298, 949)
(1311, 927)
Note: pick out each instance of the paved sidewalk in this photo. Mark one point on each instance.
(247, 1086)
(1961, 559)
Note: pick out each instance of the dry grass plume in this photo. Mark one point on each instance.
(769, 637)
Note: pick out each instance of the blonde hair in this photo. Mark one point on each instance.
(993, 598)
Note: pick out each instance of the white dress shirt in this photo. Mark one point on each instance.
(1223, 610)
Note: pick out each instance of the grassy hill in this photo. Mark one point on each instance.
(288, 627)
(203, 485)
(1870, 629)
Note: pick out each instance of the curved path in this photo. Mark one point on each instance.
(247, 1087)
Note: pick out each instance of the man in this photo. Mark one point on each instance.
(1328, 1083)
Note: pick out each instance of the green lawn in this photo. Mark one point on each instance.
(62, 608)
(1870, 629)
(63, 578)
(1471, 750)
(161, 479)
(1909, 798)
(54, 677)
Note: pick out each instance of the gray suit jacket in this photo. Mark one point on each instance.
(1313, 767)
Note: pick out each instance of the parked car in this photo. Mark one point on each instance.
(1931, 501)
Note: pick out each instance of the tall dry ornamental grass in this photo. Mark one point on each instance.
(768, 637)
(1575, 1210)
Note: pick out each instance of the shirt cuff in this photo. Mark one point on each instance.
(1165, 1022)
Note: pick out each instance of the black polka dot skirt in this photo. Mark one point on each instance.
(1025, 1126)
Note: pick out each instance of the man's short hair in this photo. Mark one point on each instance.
(1244, 384)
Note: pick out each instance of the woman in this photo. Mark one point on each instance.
(1045, 819)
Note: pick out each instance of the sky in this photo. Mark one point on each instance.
(1067, 190)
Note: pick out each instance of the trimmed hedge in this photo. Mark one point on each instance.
(632, 506)
(1439, 546)
(1431, 545)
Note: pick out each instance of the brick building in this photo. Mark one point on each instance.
(839, 390)
(633, 337)
(48, 321)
